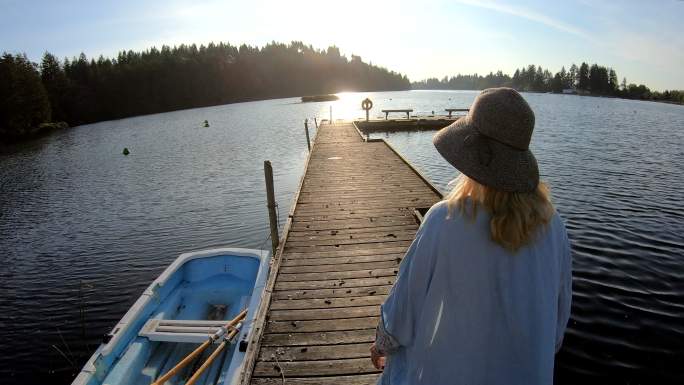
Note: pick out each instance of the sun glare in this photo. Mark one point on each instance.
(347, 107)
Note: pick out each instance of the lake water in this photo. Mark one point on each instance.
(84, 229)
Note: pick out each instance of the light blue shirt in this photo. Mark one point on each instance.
(466, 311)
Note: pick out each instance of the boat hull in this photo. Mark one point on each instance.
(206, 285)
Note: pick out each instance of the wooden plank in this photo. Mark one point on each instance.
(369, 209)
(326, 220)
(331, 293)
(353, 233)
(334, 283)
(365, 379)
(342, 260)
(338, 275)
(311, 314)
(319, 338)
(396, 232)
(329, 190)
(396, 214)
(355, 246)
(353, 240)
(383, 210)
(337, 169)
(340, 267)
(357, 182)
(321, 325)
(314, 368)
(311, 353)
(346, 252)
(360, 182)
(328, 303)
(350, 202)
(360, 224)
(336, 195)
(368, 228)
(325, 177)
(357, 204)
(363, 210)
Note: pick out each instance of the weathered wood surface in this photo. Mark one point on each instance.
(351, 226)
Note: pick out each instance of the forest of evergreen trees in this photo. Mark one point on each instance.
(585, 80)
(83, 90)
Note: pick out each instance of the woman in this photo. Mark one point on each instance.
(483, 294)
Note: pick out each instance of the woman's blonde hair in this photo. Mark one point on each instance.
(515, 217)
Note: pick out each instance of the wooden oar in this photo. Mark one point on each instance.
(201, 348)
(214, 354)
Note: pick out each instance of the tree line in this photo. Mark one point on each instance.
(84, 90)
(585, 80)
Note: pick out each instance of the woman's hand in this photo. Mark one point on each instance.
(377, 358)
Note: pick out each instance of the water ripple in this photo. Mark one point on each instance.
(83, 229)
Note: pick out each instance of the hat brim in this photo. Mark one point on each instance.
(487, 161)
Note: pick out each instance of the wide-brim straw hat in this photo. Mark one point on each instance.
(491, 143)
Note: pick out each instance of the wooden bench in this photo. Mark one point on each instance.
(452, 110)
(406, 111)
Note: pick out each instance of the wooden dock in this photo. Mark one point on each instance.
(424, 123)
(346, 235)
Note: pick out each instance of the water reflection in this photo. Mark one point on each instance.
(74, 211)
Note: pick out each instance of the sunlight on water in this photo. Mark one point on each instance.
(348, 107)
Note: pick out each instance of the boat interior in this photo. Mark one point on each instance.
(214, 288)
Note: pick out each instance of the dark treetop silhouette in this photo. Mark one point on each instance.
(585, 79)
(83, 90)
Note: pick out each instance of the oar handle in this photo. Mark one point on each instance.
(213, 356)
(183, 363)
(201, 348)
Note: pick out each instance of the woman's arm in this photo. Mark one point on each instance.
(384, 342)
(564, 294)
(377, 358)
(404, 302)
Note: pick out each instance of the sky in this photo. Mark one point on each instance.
(642, 40)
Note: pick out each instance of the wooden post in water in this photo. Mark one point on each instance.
(271, 204)
(316, 122)
(306, 128)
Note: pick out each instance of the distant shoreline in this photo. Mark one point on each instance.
(133, 83)
(611, 97)
(44, 129)
(585, 80)
(50, 128)
(556, 93)
(319, 98)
